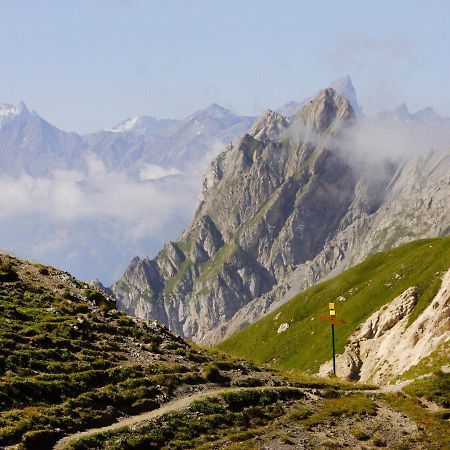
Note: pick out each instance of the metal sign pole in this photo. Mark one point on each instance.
(334, 353)
(334, 321)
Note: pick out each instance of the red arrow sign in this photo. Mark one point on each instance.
(332, 319)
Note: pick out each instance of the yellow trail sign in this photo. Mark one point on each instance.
(331, 317)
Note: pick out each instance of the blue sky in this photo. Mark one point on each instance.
(85, 64)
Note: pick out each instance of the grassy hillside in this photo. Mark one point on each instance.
(70, 361)
(357, 294)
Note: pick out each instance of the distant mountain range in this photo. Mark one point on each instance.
(402, 113)
(43, 168)
(145, 125)
(29, 144)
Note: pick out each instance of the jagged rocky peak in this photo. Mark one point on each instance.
(344, 87)
(326, 109)
(268, 125)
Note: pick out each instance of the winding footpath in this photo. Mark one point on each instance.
(184, 403)
(175, 405)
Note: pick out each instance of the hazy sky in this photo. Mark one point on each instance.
(86, 64)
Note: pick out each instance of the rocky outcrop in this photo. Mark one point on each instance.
(384, 346)
(327, 109)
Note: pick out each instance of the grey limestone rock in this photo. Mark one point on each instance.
(284, 208)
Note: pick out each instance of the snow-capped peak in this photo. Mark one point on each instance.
(10, 112)
(127, 125)
(145, 125)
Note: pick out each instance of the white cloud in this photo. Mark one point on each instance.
(155, 172)
(372, 140)
(101, 218)
(70, 195)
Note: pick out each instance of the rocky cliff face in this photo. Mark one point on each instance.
(343, 86)
(384, 346)
(284, 208)
(260, 200)
(413, 205)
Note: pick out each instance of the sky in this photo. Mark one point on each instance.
(85, 65)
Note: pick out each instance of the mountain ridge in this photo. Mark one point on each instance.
(120, 147)
(278, 212)
(203, 237)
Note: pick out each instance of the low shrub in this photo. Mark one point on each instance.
(212, 374)
(7, 272)
(360, 434)
(207, 406)
(40, 439)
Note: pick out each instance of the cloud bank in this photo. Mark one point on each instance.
(94, 216)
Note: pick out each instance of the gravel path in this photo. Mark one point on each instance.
(175, 405)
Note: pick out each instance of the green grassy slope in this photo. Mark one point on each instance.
(379, 279)
(70, 361)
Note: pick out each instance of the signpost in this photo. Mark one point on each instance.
(334, 321)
